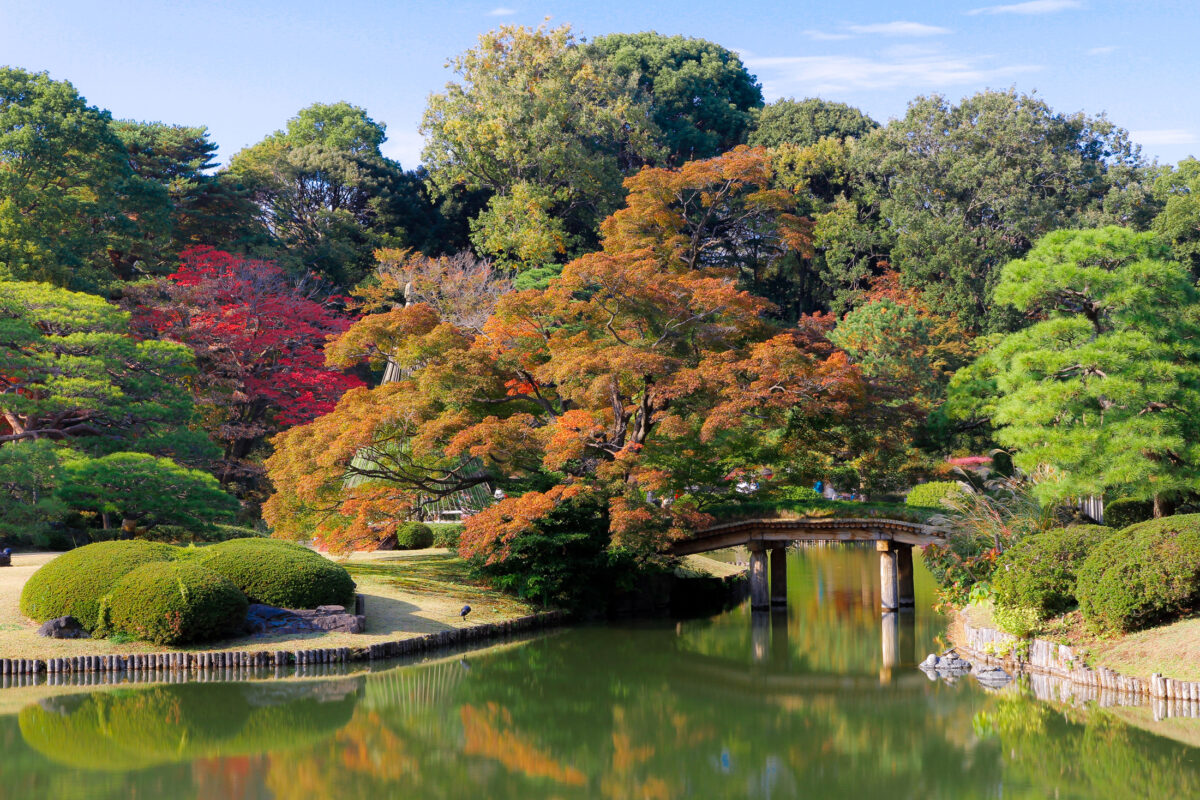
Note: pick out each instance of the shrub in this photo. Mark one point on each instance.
(74, 583)
(1020, 621)
(446, 535)
(280, 573)
(1039, 571)
(175, 602)
(1144, 574)
(803, 494)
(414, 536)
(1125, 512)
(930, 495)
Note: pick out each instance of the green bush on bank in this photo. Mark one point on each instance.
(931, 495)
(1125, 512)
(174, 602)
(414, 536)
(280, 573)
(1142, 575)
(74, 582)
(1039, 572)
(446, 534)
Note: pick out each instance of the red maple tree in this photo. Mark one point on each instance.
(259, 339)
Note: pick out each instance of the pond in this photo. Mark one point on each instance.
(820, 702)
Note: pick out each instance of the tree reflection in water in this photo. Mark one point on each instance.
(639, 711)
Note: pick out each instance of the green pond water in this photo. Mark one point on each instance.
(823, 702)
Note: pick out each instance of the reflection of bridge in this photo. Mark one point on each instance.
(772, 657)
(894, 539)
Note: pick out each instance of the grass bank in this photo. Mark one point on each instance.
(408, 593)
(1172, 650)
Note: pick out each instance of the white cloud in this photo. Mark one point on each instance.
(1031, 7)
(812, 74)
(501, 12)
(1163, 136)
(899, 28)
(1102, 51)
(822, 36)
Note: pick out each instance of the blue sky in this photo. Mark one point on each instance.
(243, 68)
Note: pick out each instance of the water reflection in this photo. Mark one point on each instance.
(816, 702)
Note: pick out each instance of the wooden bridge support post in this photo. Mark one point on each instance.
(904, 572)
(779, 577)
(889, 576)
(896, 575)
(760, 598)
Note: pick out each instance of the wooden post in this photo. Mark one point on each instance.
(904, 572)
(889, 576)
(779, 576)
(760, 598)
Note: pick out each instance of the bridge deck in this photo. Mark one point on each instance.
(744, 532)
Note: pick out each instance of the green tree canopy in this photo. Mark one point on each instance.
(67, 193)
(320, 185)
(806, 122)
(1102, 393)
(145, 491)
(700, 95)
(202, 206)
(544, 124)
(1178, 190)
(69, 371)
(950, 193)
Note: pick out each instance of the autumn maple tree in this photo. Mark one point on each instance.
(643, 355)
(257, 336)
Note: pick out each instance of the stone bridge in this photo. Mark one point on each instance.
(894, 539)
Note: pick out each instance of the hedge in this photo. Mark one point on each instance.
(74, 582)
(931, 495)
(174, 602)
(1039, 572)
(280, 573)
(414, 536)
(447, 534)
(1125, 512)
(1142, 575)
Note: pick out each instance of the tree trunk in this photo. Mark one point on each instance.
(1159, 506)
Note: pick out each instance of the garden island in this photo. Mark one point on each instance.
(504, 475)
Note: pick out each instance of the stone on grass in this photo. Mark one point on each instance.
(63, 628)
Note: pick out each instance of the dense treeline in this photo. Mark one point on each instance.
(620, 282)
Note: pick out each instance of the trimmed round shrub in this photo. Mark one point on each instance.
(280, 573)
(414, 536)
(931, 495)
(73, 584)
(174, 602)
(1039, 572)
(447, 535)
(1142, 575)
(799, 494)
(1125, 512)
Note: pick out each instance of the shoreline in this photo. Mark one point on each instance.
(1058, 673)
(182, 666)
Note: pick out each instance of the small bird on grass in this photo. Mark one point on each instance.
(465, 610)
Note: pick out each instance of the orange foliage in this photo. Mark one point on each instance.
(647, 350)
(488, 732)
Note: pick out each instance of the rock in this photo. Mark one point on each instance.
(930, 662)
(264, 620)
(951, 663)
(992, 677)
(63, 628)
